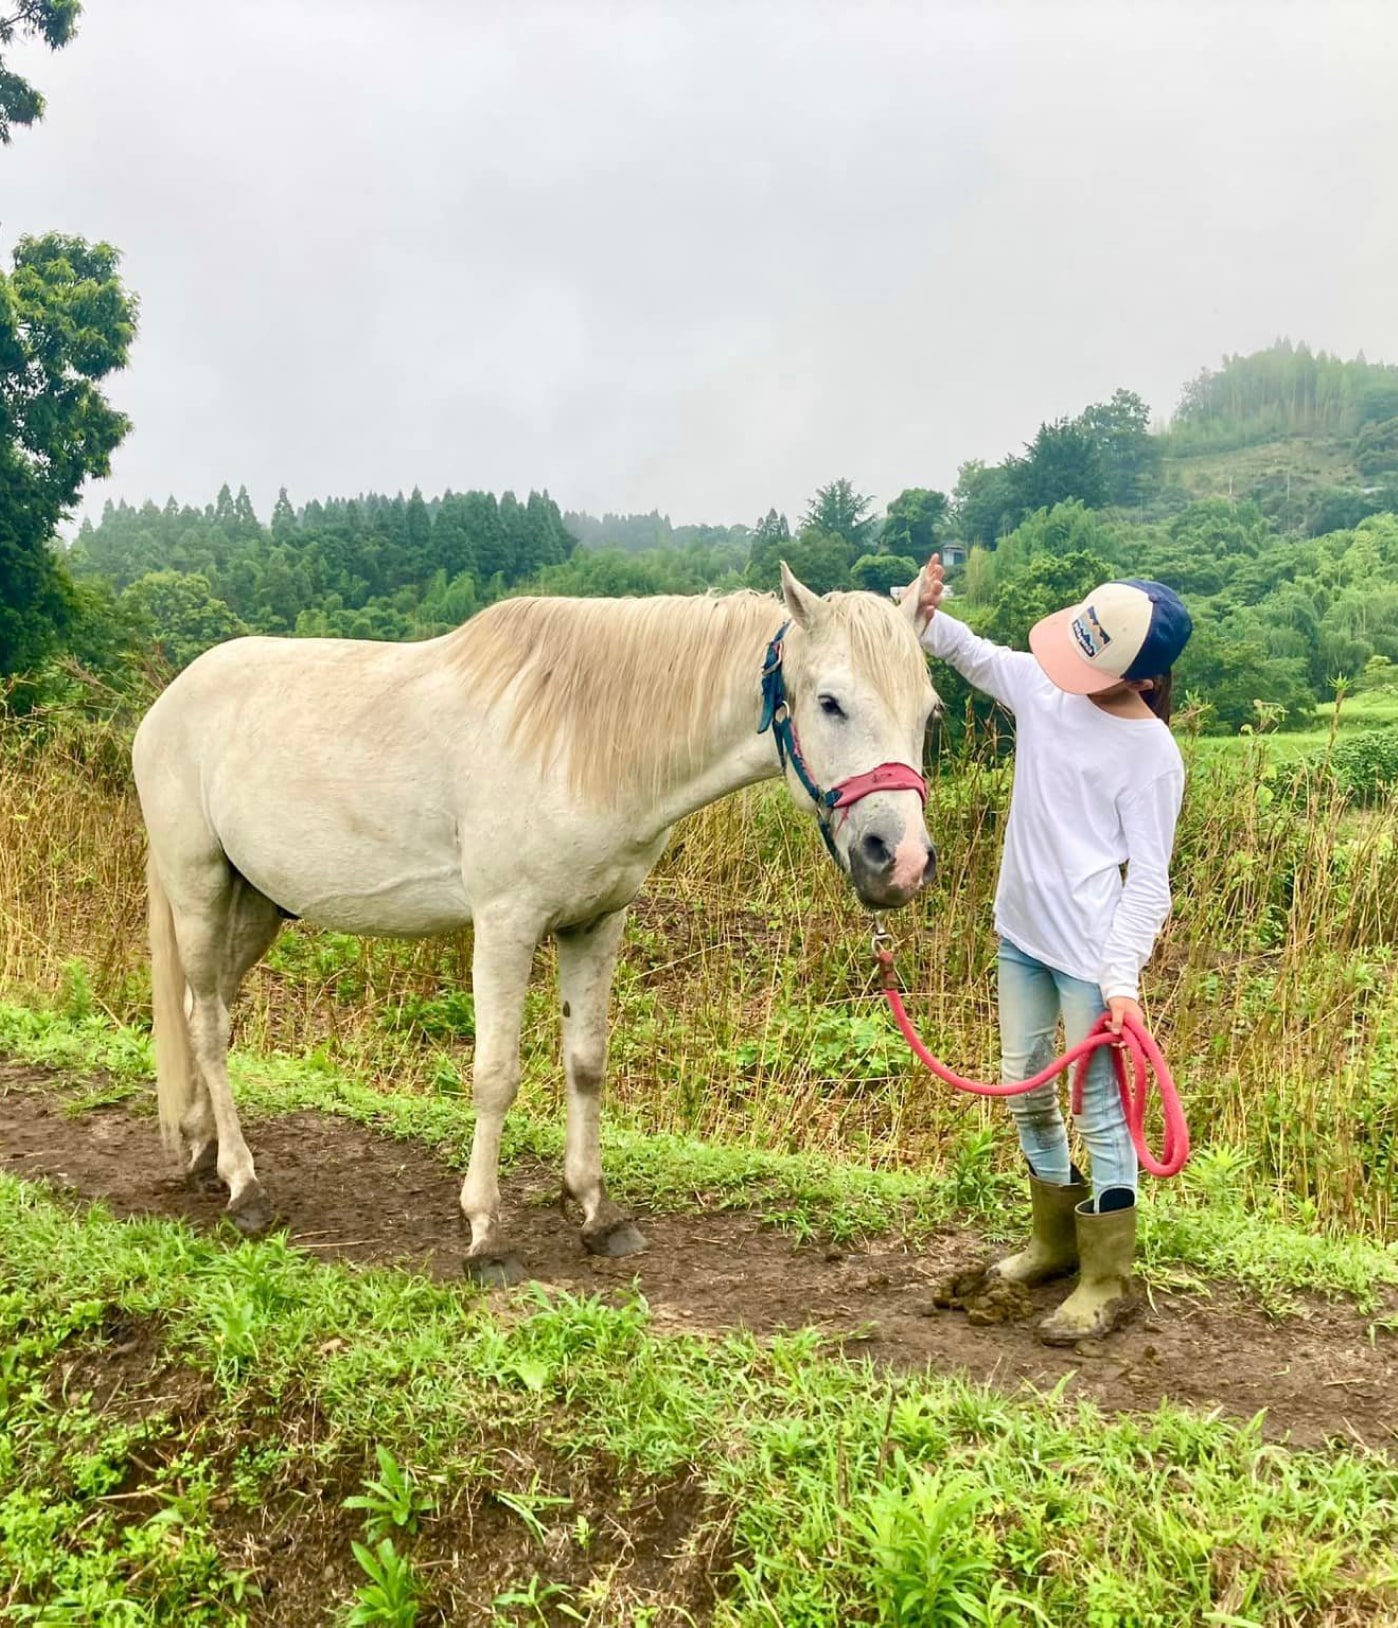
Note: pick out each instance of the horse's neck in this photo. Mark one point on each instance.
(736, 756)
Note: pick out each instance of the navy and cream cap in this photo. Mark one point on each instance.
(1122, 630)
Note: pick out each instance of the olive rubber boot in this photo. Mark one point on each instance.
(997, 1293)
(1052, 1250)
(1106, 1248)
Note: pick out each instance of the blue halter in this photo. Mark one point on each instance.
(776, 716)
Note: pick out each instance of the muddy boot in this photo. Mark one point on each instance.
(996, 1293)
(1103, 1297)
(1052, 1250)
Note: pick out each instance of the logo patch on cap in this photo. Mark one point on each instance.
(1092, 637)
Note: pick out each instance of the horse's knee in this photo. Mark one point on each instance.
(494, 1087)
(587, 1072)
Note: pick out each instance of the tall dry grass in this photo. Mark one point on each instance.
(744, 1006)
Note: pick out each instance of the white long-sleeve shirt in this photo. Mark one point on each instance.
(1092, 792)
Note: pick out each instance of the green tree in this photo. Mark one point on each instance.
(1067, 528)
(1062, 462)
(877, 573)
(984, 502)
(771, 538)
(837, 510)
(283, 518)
(821, 559)
(181, 614)
(66, 322)
(1227, 664)
(917, 519)
(53, 23)
(1376, 447)
(245, 521)
(1128, 453)
(977, 581)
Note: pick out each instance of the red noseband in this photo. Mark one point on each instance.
(887, 777)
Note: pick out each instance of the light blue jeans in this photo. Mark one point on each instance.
(1032, 999)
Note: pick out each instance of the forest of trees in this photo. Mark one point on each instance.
(1278, 620)
(1290, 592)
(1281, 615)
(1286, 390)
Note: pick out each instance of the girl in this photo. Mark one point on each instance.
(1097, 785)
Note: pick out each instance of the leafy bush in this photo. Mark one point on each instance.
(1366, 764)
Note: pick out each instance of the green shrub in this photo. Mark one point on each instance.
(1366, 764)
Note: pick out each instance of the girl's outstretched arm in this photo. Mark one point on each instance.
(1001, 673)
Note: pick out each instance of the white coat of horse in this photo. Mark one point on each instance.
(522, 774)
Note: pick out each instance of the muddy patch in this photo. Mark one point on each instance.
(348, 1193)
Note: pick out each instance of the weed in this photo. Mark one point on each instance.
(391, 1500)
(540, 1602)
(528, 1506)
(744, 1011)
(390, 1598)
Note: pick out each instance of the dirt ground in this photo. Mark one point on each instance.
(1321, 1376)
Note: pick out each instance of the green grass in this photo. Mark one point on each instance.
(1366, 709)
(1309, 461)
(1203, 1225)
(744, 1007)
(824, 1492)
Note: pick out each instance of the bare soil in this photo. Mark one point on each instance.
(348, 1193)
(664, 1547)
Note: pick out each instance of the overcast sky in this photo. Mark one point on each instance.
(698, 256)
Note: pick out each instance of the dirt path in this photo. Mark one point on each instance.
(1319, 1377)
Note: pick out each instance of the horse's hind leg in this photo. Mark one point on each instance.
(219, 943)
(585, 965)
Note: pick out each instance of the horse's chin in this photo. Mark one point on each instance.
(885, 895)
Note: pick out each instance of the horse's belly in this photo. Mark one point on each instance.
(403, 910)
(412, 902)
(349, 875)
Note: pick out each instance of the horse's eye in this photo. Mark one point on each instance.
(831, 707)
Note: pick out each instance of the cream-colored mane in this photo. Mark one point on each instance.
(632, 693)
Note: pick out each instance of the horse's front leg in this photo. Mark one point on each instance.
(586, 961)
(499, 976)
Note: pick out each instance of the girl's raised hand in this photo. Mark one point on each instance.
(933, 582)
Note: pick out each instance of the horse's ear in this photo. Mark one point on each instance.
(909, 599)
(805, 606)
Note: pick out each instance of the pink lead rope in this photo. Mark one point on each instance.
(1136, 1044)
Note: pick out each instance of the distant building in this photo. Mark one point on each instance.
(953, 553)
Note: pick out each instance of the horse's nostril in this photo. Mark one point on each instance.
(929, 870)
(877, 852)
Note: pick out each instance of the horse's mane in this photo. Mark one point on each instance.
(634, 693)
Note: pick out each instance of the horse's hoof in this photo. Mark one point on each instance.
(251, 1212)
(620, 1239)
(494, 1271)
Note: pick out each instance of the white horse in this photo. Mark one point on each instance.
(521, 773)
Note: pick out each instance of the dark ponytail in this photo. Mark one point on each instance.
(1160, 695)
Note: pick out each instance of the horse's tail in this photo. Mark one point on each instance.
(174, 1054)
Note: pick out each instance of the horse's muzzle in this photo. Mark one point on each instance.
(884, 873)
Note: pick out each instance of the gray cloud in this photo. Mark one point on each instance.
(699, 257)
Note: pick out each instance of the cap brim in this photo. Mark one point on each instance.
(1057, 653)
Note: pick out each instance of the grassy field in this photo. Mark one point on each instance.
(1363, 711)
(202, 1430)
(1296, 465)
(745, 1007)
(397, 1428)
(198, 1430)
